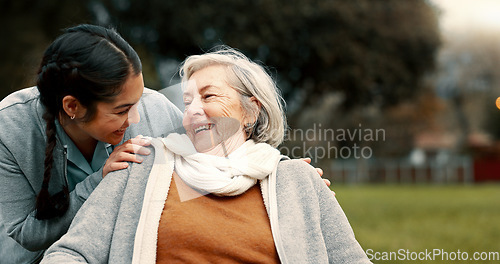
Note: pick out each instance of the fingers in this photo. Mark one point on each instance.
(320, 172)
(130, 151)
(118, 161)
(128, 157)
(137, 149)
(117, 166)
(140, 140)
(135, 145)
(327, 182)
(307, 160)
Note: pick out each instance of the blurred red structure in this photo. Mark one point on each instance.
(486, 159)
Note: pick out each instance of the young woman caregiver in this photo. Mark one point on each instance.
(60, 138)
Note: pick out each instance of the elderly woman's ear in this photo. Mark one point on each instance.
(256, 106)
(253, 107)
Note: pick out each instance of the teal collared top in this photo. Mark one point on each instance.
(78, 167)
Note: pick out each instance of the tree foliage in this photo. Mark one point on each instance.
(331, 57)
(27, 29)
(371, 51)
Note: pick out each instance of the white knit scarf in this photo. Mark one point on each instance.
(223, 176)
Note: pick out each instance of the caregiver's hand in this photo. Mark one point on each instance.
(126, 152)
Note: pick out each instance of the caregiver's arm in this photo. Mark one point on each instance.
(17, 205)
(89, 236)
(18, 198)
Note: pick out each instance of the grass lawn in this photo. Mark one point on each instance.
(416, 218)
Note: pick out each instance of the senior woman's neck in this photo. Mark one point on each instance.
(229, 145)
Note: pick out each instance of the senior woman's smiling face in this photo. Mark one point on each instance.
(213, 112)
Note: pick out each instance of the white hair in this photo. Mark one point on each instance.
(250, 80)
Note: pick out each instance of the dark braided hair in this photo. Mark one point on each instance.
(90, 63)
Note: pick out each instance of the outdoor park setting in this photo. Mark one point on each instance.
(396, 100)
(416, 219)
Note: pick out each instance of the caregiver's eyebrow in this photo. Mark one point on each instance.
(123, 105)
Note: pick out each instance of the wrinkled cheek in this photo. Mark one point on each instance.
(229, 110)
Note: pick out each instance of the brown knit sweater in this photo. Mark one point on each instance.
(201, 229)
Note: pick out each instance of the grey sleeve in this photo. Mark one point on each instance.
(17, 206)
(313, 226)
(159, 116)
(84, 188)
(89, 237)
(175, 115)
(341, 244)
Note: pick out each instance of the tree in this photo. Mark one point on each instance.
(467, 75)
(28, 28)
(341, 62)
(370, 51)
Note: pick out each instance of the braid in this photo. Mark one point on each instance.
(50, 73)
(50, 131)
(47, 206)
(56, 75)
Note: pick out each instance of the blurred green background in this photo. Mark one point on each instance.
(423, 218)
(394, 99)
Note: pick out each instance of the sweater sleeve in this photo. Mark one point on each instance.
(159, 116)
(89, 236)
(341, 244)
(313, 225)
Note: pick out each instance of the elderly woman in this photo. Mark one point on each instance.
(221, 192)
